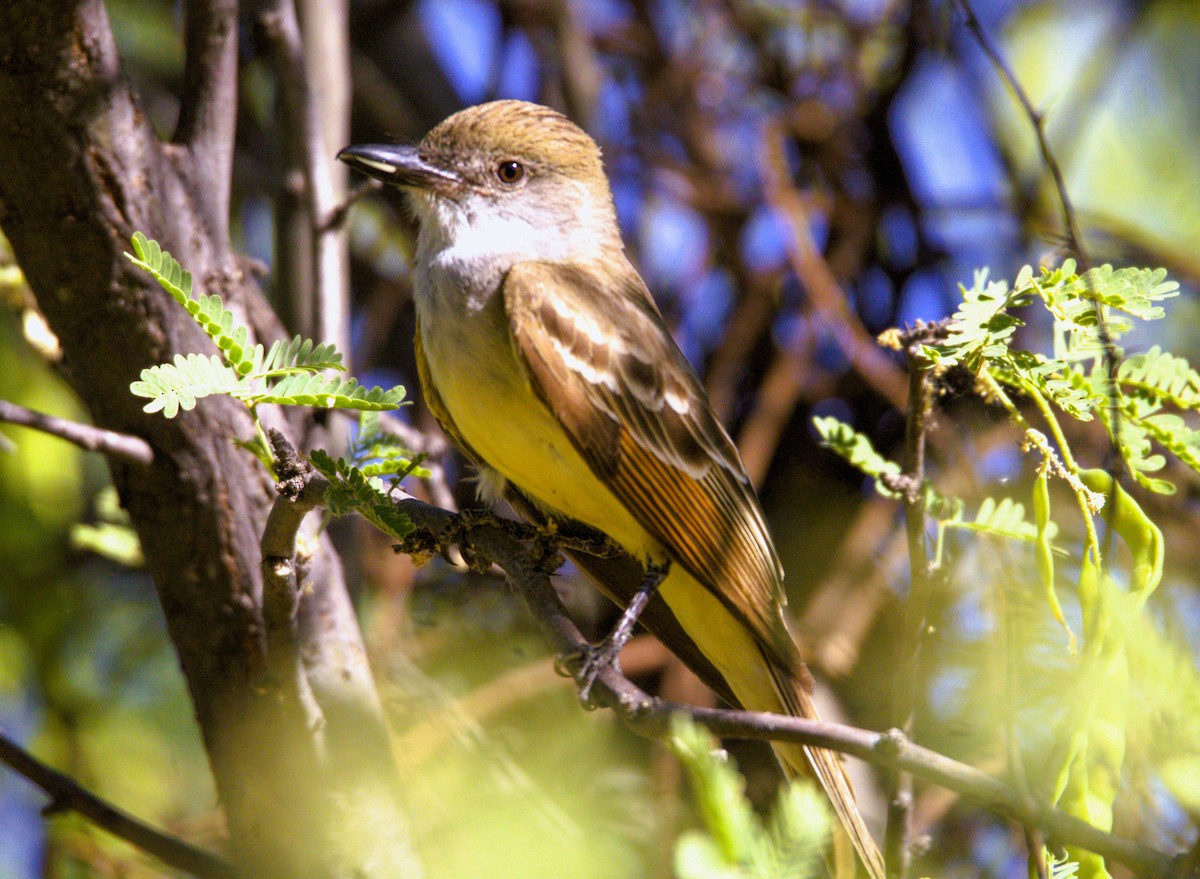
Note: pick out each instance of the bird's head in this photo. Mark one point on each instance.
(520, 174)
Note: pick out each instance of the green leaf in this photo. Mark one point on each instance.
(981, 327)
(165, 269)
(377, 452)
(1061, 869)
(306, 389)
(1004, 519)
(351, 491)
(844, 440)
(290, 373)
(207, 311)
(178, 385)
(1161, 377)
(735, 844)
(697, 856)
(299, 356)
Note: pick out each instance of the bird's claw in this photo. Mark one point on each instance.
(596, 659)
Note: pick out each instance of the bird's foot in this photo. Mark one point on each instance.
(605, 654)
(596, 659)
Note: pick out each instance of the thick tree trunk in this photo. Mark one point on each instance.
(80, 170)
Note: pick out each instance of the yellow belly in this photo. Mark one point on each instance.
(494, 408)
(488, 396)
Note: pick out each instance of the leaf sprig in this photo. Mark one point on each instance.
(352, 491)
(735, 842)
(1089, 311)
(290, 373)
(1149, 405)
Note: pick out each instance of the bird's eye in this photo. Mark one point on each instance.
(510, 172)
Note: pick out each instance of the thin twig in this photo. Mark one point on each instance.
(1074, 237)
(823, 288)
(1038, 120)
(93, 439)
(337, 217)
(897, 851)
(67, 795)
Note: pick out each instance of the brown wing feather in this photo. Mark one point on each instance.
(605, 363)
(616, 577)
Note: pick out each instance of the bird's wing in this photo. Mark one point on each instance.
(604, 361)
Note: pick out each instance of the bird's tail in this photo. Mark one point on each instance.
(720, 648)
(802, 761)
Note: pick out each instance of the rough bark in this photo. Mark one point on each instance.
(80, 170)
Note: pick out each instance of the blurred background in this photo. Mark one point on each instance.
(792, 178)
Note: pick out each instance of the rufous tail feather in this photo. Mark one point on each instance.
(802, 761)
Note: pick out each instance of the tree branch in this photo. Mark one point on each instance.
(80, 169)
(68, 795)
(826, 294)
(898, 854)
(650, 716)
(207, 110)
(298, 492)
(93, 439)
(325, 284)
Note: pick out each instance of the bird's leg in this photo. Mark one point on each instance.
(605, 653)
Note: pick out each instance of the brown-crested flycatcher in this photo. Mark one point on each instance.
(545, 360)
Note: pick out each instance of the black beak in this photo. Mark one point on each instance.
(397, 165)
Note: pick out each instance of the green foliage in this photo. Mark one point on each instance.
(356, 482)
(289, 374)
(1147, 403)
(1005, 518)
(1060, 868)
(376, 452)
(174, 386)
(1150, 386)
(207, 311)
(1089, 311)
(856, 449)
(735, 843)
(351, 491)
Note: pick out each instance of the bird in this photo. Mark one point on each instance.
(543, 356)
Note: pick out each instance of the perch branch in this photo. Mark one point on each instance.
(299, 490)
(67, 795)
(650, 716)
